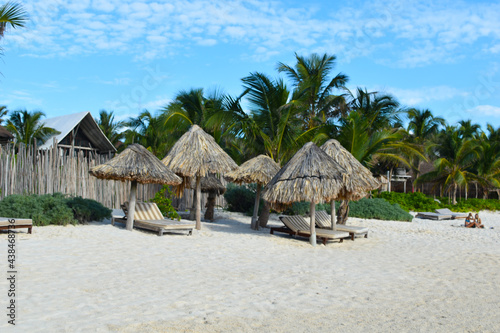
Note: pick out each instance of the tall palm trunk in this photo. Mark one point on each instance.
(454, 194)
(264, 215)
(209, 213)
(343, 212)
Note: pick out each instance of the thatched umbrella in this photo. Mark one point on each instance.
(310, 175)
(360, 178)
(260, 170)
(196, 154)
(138, 165)
(214, 187)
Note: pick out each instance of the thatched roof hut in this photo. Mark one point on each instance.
(209, 183)
(310, 175)
(138, 165)
(259, 170)
(196, 154)
(5, 136)
(361, 179)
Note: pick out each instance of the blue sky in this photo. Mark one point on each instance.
(127, 56)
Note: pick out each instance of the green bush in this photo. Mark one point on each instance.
(303, 208)
(365, 208)
(419, 202)
(53, 209)
(241, 198)
(476, 205)
(164, 203)
(86, 210)
(42, 209)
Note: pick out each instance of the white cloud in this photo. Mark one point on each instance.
(425, 33)
(414, 97)
(486, 110)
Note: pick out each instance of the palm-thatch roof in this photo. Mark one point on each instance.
(197, 154)
(208, 184)
(5, 135)
(260, 170)
(360, 178)
(310, 175)
(136, 163)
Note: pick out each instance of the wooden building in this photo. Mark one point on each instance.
(78, 131)
(5, 136)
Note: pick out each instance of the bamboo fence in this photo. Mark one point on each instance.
(26, 170)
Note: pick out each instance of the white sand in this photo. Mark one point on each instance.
(424, 276)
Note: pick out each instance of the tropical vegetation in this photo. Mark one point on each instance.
(276, 113)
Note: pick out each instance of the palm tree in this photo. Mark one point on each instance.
(109, 127)
(455, 157)
(381, 109)
(314, 89)
(468, 130)
(422, 127)
(28, 126)
(384, 147)
(3, 113)
(193, 107)
(488, 164)
(12, 15)
(422, 124)
(149, 130)
(277, 122)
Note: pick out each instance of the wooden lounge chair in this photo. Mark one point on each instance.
(433, 216)
(18, 223)
(454, 215)
(148, 216)
(298, 226)
(324, 221)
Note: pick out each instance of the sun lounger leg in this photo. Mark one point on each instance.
(366, 235)
(29, 230)
(341, 240)
(352, 235)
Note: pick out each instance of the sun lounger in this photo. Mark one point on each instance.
(433, 216)
(324, 221)
(298, 226)
(453, 214)
(148, 216)
(118, 216)
(18, 223)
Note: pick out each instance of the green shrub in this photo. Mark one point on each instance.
(419, 202)
(164, 203)
(365, 208)
(42, 209)
(86, 210)
(476, 205)
(241, 198)
(303, 208)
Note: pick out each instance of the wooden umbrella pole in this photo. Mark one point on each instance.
(254, 225)
(198, 203)
(131, 205)
(333, 215)
(312, 238)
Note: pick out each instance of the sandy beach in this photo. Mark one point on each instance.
(424, 276)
